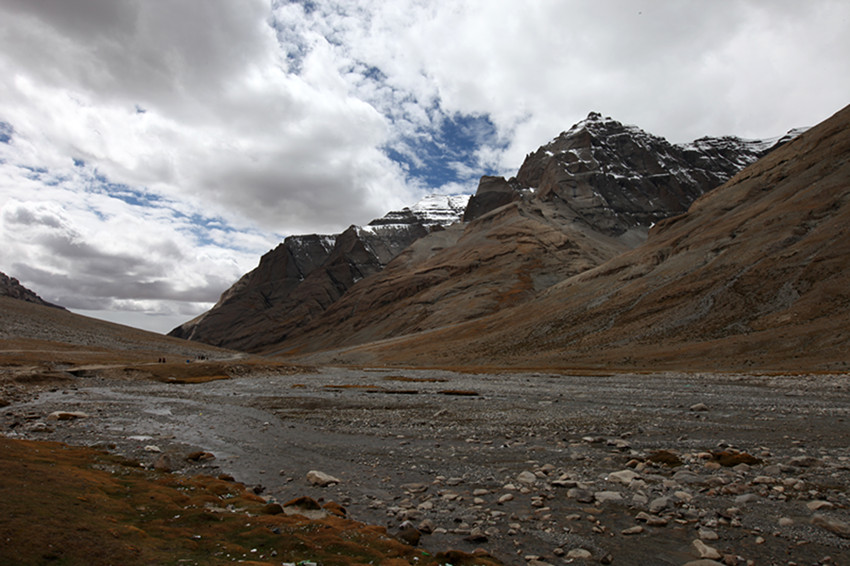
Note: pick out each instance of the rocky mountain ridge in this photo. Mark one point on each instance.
(11, 287)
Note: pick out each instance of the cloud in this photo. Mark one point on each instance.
(150, 152)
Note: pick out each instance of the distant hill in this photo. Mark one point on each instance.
(27, 326)
(755, 275)
(11, 287)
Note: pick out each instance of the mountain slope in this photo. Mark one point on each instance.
(582, 199)
(755, 274)
(304, 275)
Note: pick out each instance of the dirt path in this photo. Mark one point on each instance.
(529, 466)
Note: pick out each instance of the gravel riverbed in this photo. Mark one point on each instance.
(536, 468)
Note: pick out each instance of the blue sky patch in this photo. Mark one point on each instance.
(6, 131)
(442, 155)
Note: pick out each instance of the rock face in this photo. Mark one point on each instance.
(617, 177)
(11, 287)
(304, 275)
(589, 195)
(754, 274)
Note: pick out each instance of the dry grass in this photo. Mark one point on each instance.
(76, 506)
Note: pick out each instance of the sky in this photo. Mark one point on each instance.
(152, 150)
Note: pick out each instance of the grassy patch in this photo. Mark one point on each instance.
(77, 506)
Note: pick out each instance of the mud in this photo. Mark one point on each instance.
(449, 449)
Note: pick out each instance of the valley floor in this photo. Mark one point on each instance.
(622, 468)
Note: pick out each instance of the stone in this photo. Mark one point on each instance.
(818, 505)
(409, 534)
(579, 553)
(786, 522)
(608, 496)
(321, 479)
(804, 461)
(476, 536)
(746, 498)
(564, 481)
(272, 509)
(67, 415)
(624, 477)
(526, 477)
(636, 530)
(200, 456)
(684, 476)
(706, 551)
(707, 534)
(506, 497)
(699, 407)
(659, 504)
(834, 526)
(163, 463)
(704, 562)
(580, 495)
(426, 527)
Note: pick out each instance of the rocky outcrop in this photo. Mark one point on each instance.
(11, 287)
(492, 193)
(616, 177)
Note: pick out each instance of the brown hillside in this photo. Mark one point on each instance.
(464, 272)
(755, 275)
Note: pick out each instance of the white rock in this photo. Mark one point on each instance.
(321, 479)
(608, 496)
(67, 415)
(579, 553)
(818, 505)
(624, 477)
(526, 477)
(706, 551)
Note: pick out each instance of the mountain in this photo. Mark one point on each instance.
(587, 196)
(753, 276)
(304, 275)
(584, 198)
(11, 287)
